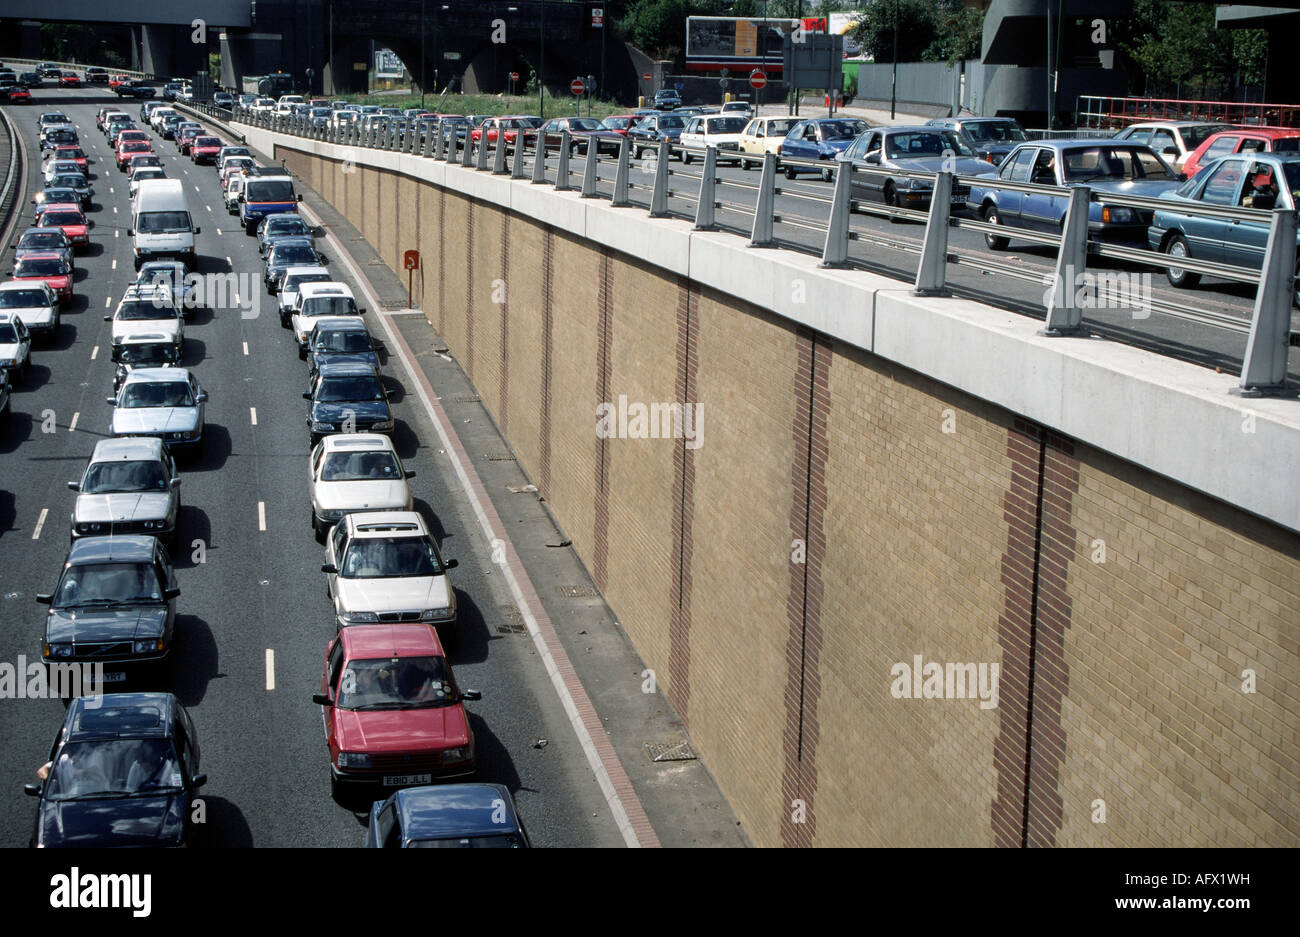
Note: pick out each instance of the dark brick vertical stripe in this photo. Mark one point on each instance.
(419, 246)
(679, 625)
(442, 263)
(1015, 633)
(467, 356)
(1051, 674)
(544, 430)
(503, 418)
(803, 601)
(604, 352)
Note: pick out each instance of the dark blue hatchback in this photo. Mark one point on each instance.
(449, 816)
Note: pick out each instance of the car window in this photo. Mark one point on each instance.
(149, 394)
(360, 466)
(1222, 185)
(401, 683)
(350, 387)
(389, 557)
(1253, 145)
(337, 536)
(386, 829)
(120, 477)
(335, 663)
(1017, 170)
(107, 585)
(114, 766)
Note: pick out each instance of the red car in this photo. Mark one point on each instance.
(73, 152)
(393, 713)
(1227, 142)
(69, 80)
(115, 80)
(494, 125)
(70, 218)
(19, 94)
(618, 123)
(185, 137)
(48, 267)
(131, 148)
(205, 149)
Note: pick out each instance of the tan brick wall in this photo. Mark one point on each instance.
(486, 348)
(405, 234)
(429, 244)
(525, 343)
(453, 282)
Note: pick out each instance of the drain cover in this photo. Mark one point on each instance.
(464, 398)
(499, 456)
(576, 592)
(679, 750)
(514, 622)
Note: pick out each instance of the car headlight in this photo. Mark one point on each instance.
(435, 614)
(353, 760)
(1117, 215)
(8, 362)
(319, 427)
(382, 425)
(90, 527)
(452, 755)
(148, 646)
(332, 515)
(58, 650)
(358, 618)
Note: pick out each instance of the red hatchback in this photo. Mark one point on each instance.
(1227, 142)
(69, 80)
(73, 152)
(205, 149)
(131, 148)
(19, 95)
(393, 713)
(48, 267)
(68, 217)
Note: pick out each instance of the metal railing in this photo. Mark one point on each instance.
(1268, 331)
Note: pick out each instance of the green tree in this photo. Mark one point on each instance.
(917, 29)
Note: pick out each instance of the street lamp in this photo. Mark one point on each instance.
(893, 88)
(422, 70)
(541, 62)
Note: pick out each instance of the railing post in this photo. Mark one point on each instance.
(659, 194)
(1064, 315)
(467, 159)
(1264, 366)
(453, 142)
(705, 208)
(481, 162)
(932, 272)
(426, 148)
(539, 160)
(439, 150)
(589, 170)
(517, 157)
(765, 204)
(620, 198)
(562, 176)
(835, 252)
(499, 157)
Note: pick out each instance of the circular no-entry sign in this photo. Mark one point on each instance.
(646, 75)
(757, 78)
(514, 76)
(576, 86)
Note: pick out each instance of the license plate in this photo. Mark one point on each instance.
(958, 200)
(394, 780)
(115, 676)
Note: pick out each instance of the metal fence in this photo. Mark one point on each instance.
(1267, 334)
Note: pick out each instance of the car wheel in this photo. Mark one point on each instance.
(284, 321)
(827, 175)
(890, 196)
(789, 172)
(1176, 247)
(686, 158)
(994, 241)
(249, 228)
(302, 356)
(317, 527)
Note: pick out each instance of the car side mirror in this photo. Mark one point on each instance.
(300, 196)
(74, 486)
(361, 311)
(409, 474)
(111, 401)
(330, 568)
(306, 395)
(130, 233)
(202, 396)
(176, 482)
(873, 158)
(44, 598)
(170, 594)
(1171, 151)
(32, 790)
(198, 780)
(450, 564)
(471, 695)
(321, 699)
(198, 230)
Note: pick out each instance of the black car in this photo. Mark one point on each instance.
(223, 99)
(170, 90)
(340, 342)
(347, 398)
(74, 181)
(134, 89)
(123, 771)
(667, 100)
(115, 604)
(289, 252)
(645, 134)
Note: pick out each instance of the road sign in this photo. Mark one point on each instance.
(724, 72)
(646, 76)
(514, 76)
(725, 83)
(597, 18)
(758, 78)
(411, 260)
(577, 87)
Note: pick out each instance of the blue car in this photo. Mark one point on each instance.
(646, 133)
(822, 138)
(992, 138)
(447, 816)
(1265, 181)
(1106, 167)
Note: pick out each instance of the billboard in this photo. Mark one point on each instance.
(388, 65)
(717, 42)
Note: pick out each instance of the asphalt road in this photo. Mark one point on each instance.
(259, 594)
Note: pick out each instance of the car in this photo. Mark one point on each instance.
(991, 138)
(30, 80)
(164, 402)
(185, 136)
(53, 117)
(286, 252)
(1106, 166)
(130, 486)
(69, 187)
(315, 303)
(923, 148)
(619, 123)
(234, 165)
(168, 125)
(147, 309)
(721, 132)
(645, 134)
(36, 303)
(147, 108)
(158, 114)
(667, 100)
(70, 218)
(117, 127)
(223, 99)
(347, 398)
(171, 276)
(354, 472)
(102, 113)
(234, 192)
(170, 90)
(334, 340)
(142, 350)
(493, 127)
(6, 393)
(821, 138)
(203, 149)
(123, 771)
(47, 70)
(266, 194)
(286, 224)
(1242, 140)
(96, 75)
(287, 288)
(16, 94)
(44, 240)
(117, 117)
(73, 152)
(738, 109)
(447, 816)
(16, 344)
(1267, 181)
(228, 152)
(1172, 140)
(58, 167)
(134, 89)
(765, 135)
(394, 715)
(582, 130)
(143, 174)
(53, 270)
(68, 79)
(114, 604)
(55, 135)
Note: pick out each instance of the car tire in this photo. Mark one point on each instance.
(789, 172)
(686, 158)
(827, 175)
(890, 197)
(249, 228)
(302, 356)
(1176, 246)
(995, 242)
(316, 526)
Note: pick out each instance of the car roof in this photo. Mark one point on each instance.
(358, 442)
(157, 376)
(340, 324)
(301, 271)
(386, 523)
(1180, 124)
(21, 285)
(330, 288)
(346, 368)
(1272, 133)
(391, 641)
(127, 449)
(292, 240)
(43, 255)
(287, 215)
(455, 810)
(49, 229)
(116, 548)
(120, 715)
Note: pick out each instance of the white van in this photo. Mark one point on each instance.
(161, 223)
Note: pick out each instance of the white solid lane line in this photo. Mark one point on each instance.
(261, 515)
(270, 669)
(40, 522)
(72, 427)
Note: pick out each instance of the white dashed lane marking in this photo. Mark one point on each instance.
(252, 413)
(72, 427)
(40, 522)
(94, 353)
(270, 669)
(261, 515)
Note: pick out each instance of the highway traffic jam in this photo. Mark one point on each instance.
(124, 768)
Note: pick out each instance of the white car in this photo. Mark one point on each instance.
(286, 103)
(722, 131)
(157, 115)
(294, 277)
(263, 104)
(355, 472)
(316, 300)
(765, 135)
(147, 310)
(1173, 140)
(385, 567)
(234, 192)
(33, 302)
(16, 345)
(140, 175)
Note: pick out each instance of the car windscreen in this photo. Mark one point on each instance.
(1195, 136)
(1113, 162)
(349, 387)
(57, 219)
(616, 123)
(494, 841)
(671, 123)
(342, 341)
(108, 584)
(293, 255)
(141, 309)
(292, 283)
(842, 129)
(135, 146)
(22, 299)
(269, 190)
(386, 557)
(395, 683)
(1292, 171)
(8, 334)
(149, 354)
(994, 132)
(149, 172)
(41, 267)
(146, 394)
(726, 124)
(287, 227)
(54, 240)
(67, 181)
(141, 162)
(329, 306)
(162, 222)
(924, 143)
(103, 478)
(114, 767)
(360, 466)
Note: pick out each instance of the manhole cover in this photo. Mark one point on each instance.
(513, 623)
(679, 750)
(576, 592)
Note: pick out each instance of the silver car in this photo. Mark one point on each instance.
(129, 487)
(162, 402)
